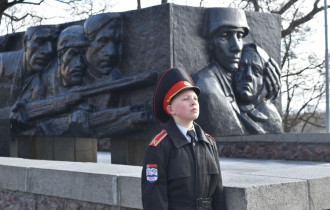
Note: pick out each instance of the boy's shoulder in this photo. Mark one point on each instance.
(211, 137)
(158, 138)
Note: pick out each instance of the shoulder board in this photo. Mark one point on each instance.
(158, 138)
(208, 135)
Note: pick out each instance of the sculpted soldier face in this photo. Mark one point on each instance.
(249, 79)
(72, 67)
(103, 51)
(227, 44)
(39, 49)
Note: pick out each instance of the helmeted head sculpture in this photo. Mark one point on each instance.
(71, 48)
(225, 28)
(104, 34)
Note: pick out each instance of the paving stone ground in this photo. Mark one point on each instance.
(238, 165)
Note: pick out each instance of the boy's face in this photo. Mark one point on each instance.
(184, 107)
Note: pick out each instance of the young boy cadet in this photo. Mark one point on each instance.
(181, 168)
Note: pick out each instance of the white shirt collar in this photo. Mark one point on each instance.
(184, 132)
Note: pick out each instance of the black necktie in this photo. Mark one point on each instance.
(192, 135)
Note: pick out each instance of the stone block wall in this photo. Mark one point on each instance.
(55, 148)
(19, 200)
(35, 184)
(289, 146)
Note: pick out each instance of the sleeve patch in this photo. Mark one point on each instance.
(208, 135)
(152, 173)
(158, 138)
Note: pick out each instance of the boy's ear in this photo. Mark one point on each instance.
(169, 109)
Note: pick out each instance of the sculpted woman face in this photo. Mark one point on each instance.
(248, 82)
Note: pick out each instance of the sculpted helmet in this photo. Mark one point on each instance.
(172, 82)
(216, 18)
(93, 24)
(72, 36)
(49, 31)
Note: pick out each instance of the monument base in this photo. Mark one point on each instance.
(128, 152)
(285, 146)
(55, 148)
(5, 138)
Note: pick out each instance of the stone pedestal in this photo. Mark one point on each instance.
(285, 146)
(128, 152)
(5, 138)
(55, 148)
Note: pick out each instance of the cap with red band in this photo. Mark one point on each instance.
(175, 89)
(172, 82)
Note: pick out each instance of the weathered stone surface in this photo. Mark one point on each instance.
(68, 181)
(286, 146)
(265, 31)
(317, 178)
(264, 192)
(43, 184)
(130, 191)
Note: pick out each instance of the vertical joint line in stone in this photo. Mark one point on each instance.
(310, 199)
(26, 187)
(118, 193)
(171, 26)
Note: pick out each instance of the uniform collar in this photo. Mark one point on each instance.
(185, 130)
(178, 138)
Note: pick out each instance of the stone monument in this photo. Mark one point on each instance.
(76, 82)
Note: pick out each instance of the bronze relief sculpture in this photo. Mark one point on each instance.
(224, 30)
(224, 82)
(68, 80)
(77, 92)
(256, 84)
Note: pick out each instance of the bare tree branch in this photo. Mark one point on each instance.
(295, 23)
(256, 5)
(299, 72)
(138, 4)
(201, 3)
(285, 7)
(13, 18)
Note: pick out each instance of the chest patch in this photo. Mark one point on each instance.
(152, 173)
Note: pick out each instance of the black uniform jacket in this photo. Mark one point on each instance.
(185, 173)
